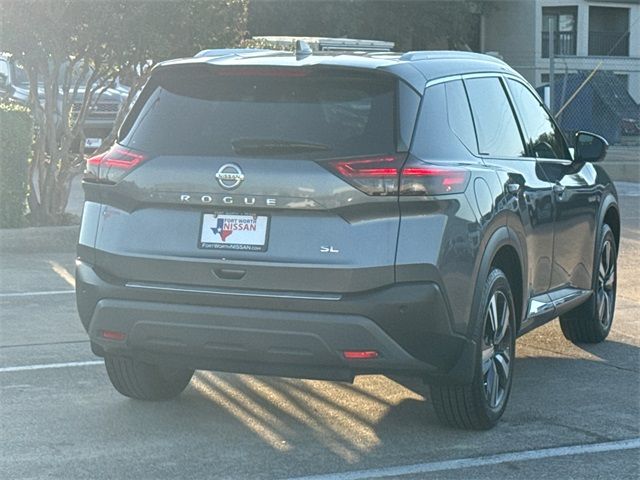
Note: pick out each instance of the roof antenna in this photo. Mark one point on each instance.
(303, 50)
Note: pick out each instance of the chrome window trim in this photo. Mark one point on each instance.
(504, 76)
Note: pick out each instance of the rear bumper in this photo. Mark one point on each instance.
(276, 333)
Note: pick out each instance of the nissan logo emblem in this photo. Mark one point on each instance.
(229, 176)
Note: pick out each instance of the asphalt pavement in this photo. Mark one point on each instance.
(574, 410)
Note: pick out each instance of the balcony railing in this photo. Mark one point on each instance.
(564, 43)
(614, 44)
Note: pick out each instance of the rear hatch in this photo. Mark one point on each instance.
(263, 178)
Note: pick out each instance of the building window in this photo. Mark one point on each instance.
(609, 31)
(564, 22)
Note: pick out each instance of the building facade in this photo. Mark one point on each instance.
(601, 34)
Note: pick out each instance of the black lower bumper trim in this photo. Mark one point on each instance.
(406, 323)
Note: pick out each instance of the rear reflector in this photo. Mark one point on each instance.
(360, 354)
(113, 164)
(112, 335)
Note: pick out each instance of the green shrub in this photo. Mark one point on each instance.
(16, 136)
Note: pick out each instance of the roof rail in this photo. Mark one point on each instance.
(225, 52)
(448, 54)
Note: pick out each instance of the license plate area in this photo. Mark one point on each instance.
(234, 231)
(92, 142)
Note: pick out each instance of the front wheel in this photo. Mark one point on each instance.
(480, 404)
(591, 322)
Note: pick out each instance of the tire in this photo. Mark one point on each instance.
(591, 322)
(480, 404)
(144, 381)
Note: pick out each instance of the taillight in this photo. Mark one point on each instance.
(385, 175)
(371, 175)
(112, 165)
(419, 178)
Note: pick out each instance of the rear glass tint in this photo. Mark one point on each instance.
(219, 111)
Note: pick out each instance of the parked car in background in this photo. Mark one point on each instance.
(325, 216)
(14, 84)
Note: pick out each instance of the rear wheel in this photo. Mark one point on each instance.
(145, 381)
(480, 404)
(591, 322)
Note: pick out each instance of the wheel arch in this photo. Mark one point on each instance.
(503, 250)
(610, 215)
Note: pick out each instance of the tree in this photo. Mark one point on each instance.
(101, 40)
(411, 24)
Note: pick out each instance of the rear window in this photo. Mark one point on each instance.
(234, 111)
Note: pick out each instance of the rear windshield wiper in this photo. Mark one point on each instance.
(272, 146)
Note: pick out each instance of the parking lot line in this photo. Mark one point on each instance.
(46, 366)
(29, 294)
(462, 463)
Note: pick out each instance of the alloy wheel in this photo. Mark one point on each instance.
(496, 350)
(605, 293)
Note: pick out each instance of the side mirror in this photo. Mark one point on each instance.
(4, 80)
(589, 147)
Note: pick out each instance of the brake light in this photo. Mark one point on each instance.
(371, 175)
(385, 175)
(419, 178)
(360, 354)
(112, 165)
(259, 72)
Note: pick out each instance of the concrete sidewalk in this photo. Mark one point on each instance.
(623, 163)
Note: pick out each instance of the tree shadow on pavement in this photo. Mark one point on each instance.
(296, 427)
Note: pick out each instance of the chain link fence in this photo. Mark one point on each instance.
(599, 101)
(605, 102)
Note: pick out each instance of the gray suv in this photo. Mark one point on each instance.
(325, 216)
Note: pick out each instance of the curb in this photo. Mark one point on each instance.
(39, 239)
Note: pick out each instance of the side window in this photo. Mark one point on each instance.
(459, 115)
(542, 135)
(496, 127)
(408, 104)
(442, 132)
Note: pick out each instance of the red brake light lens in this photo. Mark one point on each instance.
(260, 72)
(372, 175)
(360, 354)
(112, 165)
(419, 178)
(385, 175)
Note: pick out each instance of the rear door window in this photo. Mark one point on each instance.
(496, 127)
(227, 111)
